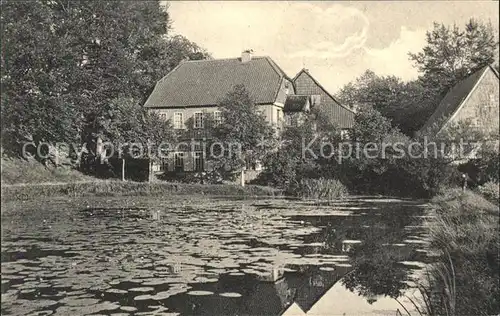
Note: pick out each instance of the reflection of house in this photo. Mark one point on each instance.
(337, 300)
(473, 101)
(189, 94)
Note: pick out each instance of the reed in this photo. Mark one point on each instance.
(321, 189)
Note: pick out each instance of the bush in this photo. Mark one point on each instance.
(320, 189)
(484, 169)
(464, 232)
(490, 190)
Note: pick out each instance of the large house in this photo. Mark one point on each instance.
(192, 91)
(474, 101)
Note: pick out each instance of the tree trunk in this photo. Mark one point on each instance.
(150, 170)
(242, 178)
(123, 169)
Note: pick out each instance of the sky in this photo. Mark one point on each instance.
(335, 40)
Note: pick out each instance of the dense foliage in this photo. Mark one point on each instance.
(70, 68)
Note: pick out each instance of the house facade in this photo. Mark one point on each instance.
(474, 101)
(188, 96)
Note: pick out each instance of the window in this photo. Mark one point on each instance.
(179, 161)
(164, 165)
(217, 118)
(287, 87)
(178, 120)
(291, 120)
(198, 120)
(198, 161)
(279, 115)
(163, 116)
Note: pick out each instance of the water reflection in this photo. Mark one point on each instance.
(214, 258)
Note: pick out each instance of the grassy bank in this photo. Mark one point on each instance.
(15, 171)
(465, 232)
(29, 179)
(126, 188)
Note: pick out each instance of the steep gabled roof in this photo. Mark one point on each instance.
(305, 71)
(338, 114)
(206, 82)
(453, 101)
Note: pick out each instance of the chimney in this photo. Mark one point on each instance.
(246, 55)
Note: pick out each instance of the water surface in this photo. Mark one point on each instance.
(150, 256)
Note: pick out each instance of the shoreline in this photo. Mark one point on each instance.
(30, 191)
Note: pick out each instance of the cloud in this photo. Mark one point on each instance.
(348, 22)
(393, 59)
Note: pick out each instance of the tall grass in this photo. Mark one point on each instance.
(465, 278)
(490, 190)
(321, 189)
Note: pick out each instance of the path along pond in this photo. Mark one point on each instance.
(153, 256)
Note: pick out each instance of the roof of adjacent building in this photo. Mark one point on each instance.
(453, 100)
(295, 103)
(339, 114)
(206, 82)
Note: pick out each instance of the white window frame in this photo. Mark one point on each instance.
(198, 124)
(178, 124)
(217, 118)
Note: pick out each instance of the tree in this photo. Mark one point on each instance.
(406, 104)
(451, 54)
(36, 71)
(286, 166)
(244, 133)
(134, 132)
(64, 65)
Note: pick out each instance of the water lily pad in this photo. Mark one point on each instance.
(143, 297)
(236, 274)
(116, 291)
(230, 294)
(144, 289)
(327, 268)
(163, 295)
(155, 282)
(344, 265)
(200, 293)
(128, 308)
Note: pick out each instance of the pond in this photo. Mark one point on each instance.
(151, 256)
